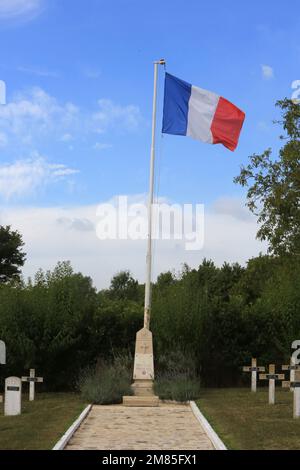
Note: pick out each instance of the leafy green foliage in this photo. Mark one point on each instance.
(123, 286)
(274, 186)
(206, 323)
(177, 388)
(58, 324)
(177, 377)
(11, 255)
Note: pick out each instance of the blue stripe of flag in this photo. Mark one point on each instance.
(176, 105)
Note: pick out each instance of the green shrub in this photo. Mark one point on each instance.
(176, 363)
(177, 388)
(177, 377)
(106, 384)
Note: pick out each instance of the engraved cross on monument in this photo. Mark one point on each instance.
(32, 380)
(271, 377)
(253, 369)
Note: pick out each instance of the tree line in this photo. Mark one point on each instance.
(218, 316)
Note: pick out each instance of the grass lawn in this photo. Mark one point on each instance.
(42, 422)
(245, 420)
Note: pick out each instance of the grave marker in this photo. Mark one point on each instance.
(32, 380)
(2, 353)
(253, 369)
(2, 359)
(292, 368)
(13, 394)
(271, 377)
(143, 373)
(144, 347)
(296, 386)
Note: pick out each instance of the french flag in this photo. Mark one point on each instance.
(201, 114)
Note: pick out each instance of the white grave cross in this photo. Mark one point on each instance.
(253, 369)
(271, 377)
(13, 394)
(2, 359)
(296, 386)
(32, 379)
(292, 368)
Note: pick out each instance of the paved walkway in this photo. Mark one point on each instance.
(167, 427)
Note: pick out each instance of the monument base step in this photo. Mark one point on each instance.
(143, 388)
(142, 401)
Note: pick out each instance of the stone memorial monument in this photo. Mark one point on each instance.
(13, 396)
(143, 374)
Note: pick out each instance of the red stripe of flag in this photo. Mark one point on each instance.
(227, 124)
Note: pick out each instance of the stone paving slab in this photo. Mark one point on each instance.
(167, 427)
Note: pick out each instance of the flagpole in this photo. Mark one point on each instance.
(143, 370)
(147, 310)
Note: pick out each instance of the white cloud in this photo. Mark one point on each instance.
(83, 225)
(66, 138)
(231, 207)
(31, 118)
(25, 176)
(267, 72)
(60, 170)
(38, 72)
(114, 115)
(263, 126)
(19, 8)
(102, 146)
(92, 73)
(70, 234)
(35, 113)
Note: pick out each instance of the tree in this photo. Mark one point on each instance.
(124, 286)
(254, 278)
(165, 280)
(274, 186)
(11, 255)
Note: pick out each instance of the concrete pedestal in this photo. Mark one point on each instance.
(143, 388)
(143, 374)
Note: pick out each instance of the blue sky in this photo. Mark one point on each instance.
(79, 75)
